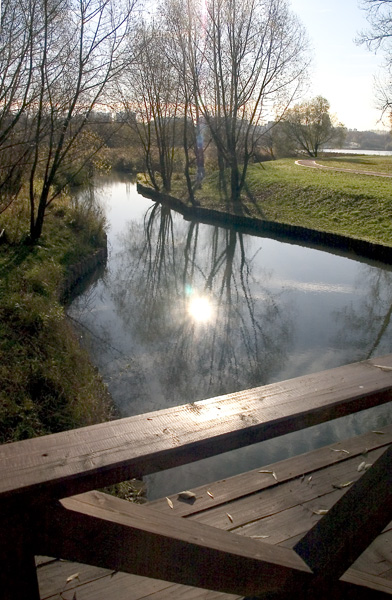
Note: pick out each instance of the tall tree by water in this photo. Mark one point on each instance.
(239, 63)
(379, 37)
(16, 95)
(254, 64)
(58, 73)
(309, 125)
(151, 94)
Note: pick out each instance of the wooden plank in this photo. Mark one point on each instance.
(370, 583)
(94, 583)
(123, 586)
(43, 560)
(332, 545)
(74, 461)
(282, 496)
(377, 558)
(278, 526)
(136, 539)
(60, 576)
(184, 592)
(227, 490)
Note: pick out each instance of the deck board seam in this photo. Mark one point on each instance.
(267, 485)
(227, 504)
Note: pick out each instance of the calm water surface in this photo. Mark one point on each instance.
(187, 311)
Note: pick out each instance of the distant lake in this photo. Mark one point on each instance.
(358, 151)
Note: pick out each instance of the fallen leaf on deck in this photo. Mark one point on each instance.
(321, 511)
(340, 486)
(72, 577)
(210, 494)
(364, 466)
(187, 495)
(310, 478)
(170, 503)
(379, 432)
(259, 537)
(230, 517)
(383, 368)
(339, 450)
(270, 473)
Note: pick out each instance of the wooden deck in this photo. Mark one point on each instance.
(315, 525)
(277, 507)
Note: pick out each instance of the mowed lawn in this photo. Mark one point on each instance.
(355, 205)
(378, 164)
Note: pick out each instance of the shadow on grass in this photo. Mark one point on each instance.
(257, 208)
(12, 256)
(359, 160)
(238, 207)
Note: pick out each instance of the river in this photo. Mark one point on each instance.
(186, 311)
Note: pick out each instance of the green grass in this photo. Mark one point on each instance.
(47, 382)
(378, 164)
(354, 205)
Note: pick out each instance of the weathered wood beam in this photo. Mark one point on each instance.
(104, 531)
(340, 537)
(75, 461)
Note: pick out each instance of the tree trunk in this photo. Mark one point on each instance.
(235, 183)
(37, 223)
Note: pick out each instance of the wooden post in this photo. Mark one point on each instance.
(340, 537)
(18, 575)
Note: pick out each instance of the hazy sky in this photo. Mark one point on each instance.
(342, 71)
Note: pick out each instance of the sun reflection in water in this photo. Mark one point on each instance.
(200, 309)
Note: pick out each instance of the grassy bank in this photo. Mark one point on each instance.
(346, 203)
(47, 383)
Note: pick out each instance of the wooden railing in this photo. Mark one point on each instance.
(48, 508)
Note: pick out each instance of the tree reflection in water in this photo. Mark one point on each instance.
(303, 313)
(363, 325)
(156, 279)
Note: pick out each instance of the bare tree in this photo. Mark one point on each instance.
(379, 37)
(255, 61)
(78, 50)
(152, 99)
(225, 65)
(185, 34)
(310, 125)
(16, 97)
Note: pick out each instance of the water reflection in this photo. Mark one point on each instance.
(188, 311)
(189, 295)
(366, 325)
(200, 308)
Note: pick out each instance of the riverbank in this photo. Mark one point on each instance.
(47, 383)
(342, 204)
(275, 206)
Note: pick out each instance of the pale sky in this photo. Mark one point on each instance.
(342, 71)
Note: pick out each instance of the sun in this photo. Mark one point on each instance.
(200, 309)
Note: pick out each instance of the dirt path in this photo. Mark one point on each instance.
(309, 162)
